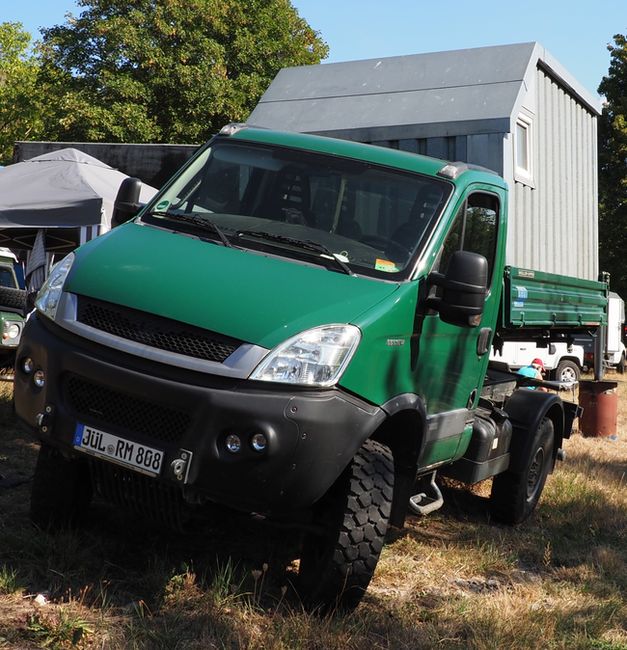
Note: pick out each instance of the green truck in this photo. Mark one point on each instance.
(12, 303)
(297, 327)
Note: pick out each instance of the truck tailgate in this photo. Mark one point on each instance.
(535, 299)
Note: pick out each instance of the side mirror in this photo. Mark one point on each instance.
(127, 203)
(464, 289)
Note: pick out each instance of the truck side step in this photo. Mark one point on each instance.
(429, 501)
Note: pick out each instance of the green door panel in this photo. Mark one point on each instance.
(450, 372)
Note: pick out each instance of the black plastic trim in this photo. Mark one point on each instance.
(526, 409)
(312, 435)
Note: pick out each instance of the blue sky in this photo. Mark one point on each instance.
(574, 31)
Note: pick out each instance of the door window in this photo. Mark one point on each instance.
(474, 230)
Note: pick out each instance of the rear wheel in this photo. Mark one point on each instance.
(338, 562)
(61, 491)
(567, 371)
(515, 494)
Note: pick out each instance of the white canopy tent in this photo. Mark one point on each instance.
(67, 196)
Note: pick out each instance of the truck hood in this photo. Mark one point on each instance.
(248, 295)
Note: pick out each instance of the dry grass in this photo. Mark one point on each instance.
(450, 581)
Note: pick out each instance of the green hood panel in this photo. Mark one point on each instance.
(247, 295)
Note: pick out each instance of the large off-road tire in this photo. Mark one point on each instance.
(515, 494)
(61, 491)
(567, 371)
(12, 299)
(336, 564)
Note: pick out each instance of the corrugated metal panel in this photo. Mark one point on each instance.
(553, 225)
(485, 150)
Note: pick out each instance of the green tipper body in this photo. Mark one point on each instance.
(547, 300)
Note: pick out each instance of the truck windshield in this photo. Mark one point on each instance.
(371, 219)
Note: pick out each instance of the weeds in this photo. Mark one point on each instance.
(8, 580)
(59, 629)
(450, 581)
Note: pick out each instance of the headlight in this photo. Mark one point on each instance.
(316, 357)
(12, 331)
(50, 293)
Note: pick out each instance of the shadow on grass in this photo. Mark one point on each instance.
(577, 527)
(210, 588)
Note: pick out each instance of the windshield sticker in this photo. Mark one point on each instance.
(385, 265)
(162, 205)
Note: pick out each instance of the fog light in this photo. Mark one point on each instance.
(39, 378)
(13, 331)
(233, 443)
(28, 365)
(259, 442)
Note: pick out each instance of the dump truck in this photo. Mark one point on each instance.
(298, 327)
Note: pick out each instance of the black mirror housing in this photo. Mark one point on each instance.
(127, 203)
(464, 289)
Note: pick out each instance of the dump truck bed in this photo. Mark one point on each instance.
(547, 301)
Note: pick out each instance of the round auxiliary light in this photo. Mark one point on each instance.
(259, 442)
(233, 443)
(28, 365)
(13, 331)
(39, 378)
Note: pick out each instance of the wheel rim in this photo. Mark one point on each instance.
(535, 473)
(568, 374)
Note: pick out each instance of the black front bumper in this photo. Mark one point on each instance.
(312, 435)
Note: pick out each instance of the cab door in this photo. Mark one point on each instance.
(452, 360)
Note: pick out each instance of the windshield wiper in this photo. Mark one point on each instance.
(192, 218)
(304, 244)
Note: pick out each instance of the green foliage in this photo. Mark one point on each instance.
(613, 168)
(8, 580)
(20, 100)
(167, 70)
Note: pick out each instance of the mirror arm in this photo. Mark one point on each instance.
(436, 279)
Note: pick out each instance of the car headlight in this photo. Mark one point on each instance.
(50, 293)
(12, 330)
(316, 357)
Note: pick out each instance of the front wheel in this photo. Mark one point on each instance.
(338, 562)
(515, 494)
(567, 371)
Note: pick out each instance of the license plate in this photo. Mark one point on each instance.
(141, 458)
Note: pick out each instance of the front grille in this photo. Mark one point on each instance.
(147, 497)
(156, 331)
(90, 402)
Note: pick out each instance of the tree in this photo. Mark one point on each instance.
(20, 99)
(613, 168)
(168, 70)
